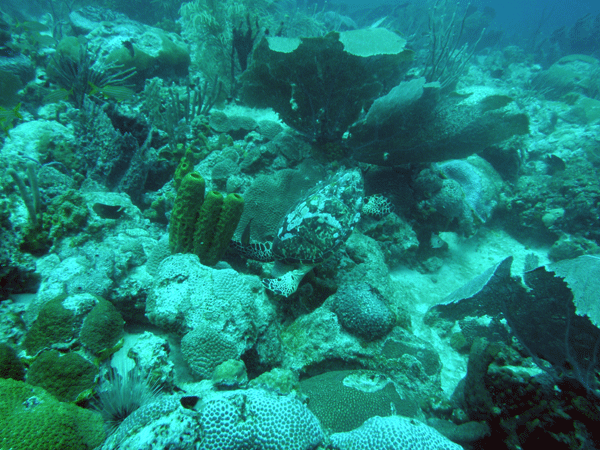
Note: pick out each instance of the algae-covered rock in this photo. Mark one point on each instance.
(579, 73)
(412, 123)
(154, 53)
(467, 197)
(128, 44)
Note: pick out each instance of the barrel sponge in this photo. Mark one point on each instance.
(190, 197)
(400, 433)
(206, 224)
(33, 419)
(233, 207)
(67, 377)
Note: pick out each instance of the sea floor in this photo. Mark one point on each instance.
(466, 259)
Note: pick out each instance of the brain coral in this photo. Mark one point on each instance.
(66, 377)
(54, 324)
(33, 419)
(393, 432)
(10, 364)
(102, 327)
(343, 400)
(250, 419)
(363, 311)
(187, 295)
(257, 419)
(205, 348)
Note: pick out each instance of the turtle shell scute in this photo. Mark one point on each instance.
(322, 221)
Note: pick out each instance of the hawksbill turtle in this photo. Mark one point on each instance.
(311, 231)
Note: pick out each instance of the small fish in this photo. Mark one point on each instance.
(378, 22)
(129, 46)
(116, 92)
(437, 242)
(32, 26)
(7, 116)
(10, 114)
(44, 40)
(246, 234)
(554, 164)
(9, 52)
(57, 95)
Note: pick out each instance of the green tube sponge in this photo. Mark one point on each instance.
(233, 206)
(190, 197)
(206, 226)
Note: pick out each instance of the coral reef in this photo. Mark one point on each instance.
(297, 225)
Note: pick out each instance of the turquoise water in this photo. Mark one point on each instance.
(296, 225)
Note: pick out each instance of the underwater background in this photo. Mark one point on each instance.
(299, 225)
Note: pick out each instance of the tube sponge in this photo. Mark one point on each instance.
(233, 206)
(203, 225)
(216, 224)
(206, 226)
(190, 198)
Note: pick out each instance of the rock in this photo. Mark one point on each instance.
(153, 52)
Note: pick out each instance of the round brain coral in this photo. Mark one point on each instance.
(10, 364)
(205, 348)
(102, 327)
(31, 419)
(255, 418)
(393, 432)
(66, 377)
(54, 324)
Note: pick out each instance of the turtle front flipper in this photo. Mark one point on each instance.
(287, 284)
